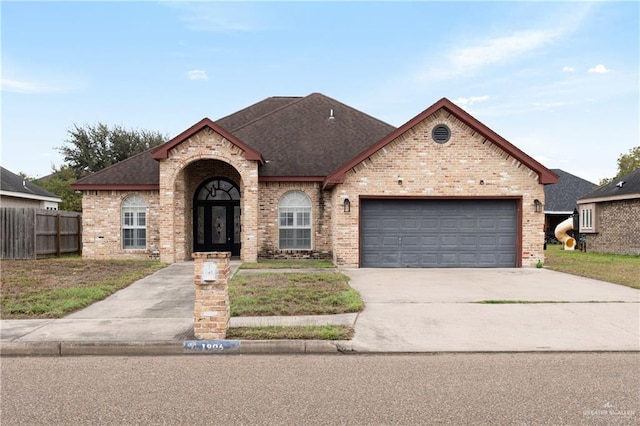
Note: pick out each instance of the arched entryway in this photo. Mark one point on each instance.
(216, 216)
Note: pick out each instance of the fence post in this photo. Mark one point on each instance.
(58, 234)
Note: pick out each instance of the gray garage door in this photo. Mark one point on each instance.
(438, 233)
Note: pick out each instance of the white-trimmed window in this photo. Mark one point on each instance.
(294, 221)
(134, 223)
(588, 218)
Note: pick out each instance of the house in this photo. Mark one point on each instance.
(561, 199)
(310, 177)
(610, 216)
(16, 191)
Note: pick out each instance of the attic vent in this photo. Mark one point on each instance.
(441, 133)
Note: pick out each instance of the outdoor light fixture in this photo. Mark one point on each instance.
(347, 205)
(538, 205)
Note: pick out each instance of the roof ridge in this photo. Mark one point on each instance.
(354, 109)
(299, 98)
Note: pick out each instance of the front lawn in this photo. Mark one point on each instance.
(299, 332)
(293, 293)
(613, 268)
(53, 288)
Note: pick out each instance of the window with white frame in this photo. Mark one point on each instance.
(294, 221)
(588, 218)
(134, 223)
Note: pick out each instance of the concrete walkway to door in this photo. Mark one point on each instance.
(422, 310)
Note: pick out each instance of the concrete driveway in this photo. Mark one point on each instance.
(418, 310)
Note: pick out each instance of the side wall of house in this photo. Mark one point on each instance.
(618, 228)
(102, 224)
(270, 194)
(467, 165)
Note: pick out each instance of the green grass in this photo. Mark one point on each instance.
(265, 294)
(288, 264)
(306, 332)
(613, 268)
(53, 288)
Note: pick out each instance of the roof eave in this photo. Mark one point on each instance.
(115, 187)
(620, 197)
(28, 196)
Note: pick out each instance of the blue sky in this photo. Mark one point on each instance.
(558, 80)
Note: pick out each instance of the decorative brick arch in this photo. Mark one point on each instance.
(178, 176)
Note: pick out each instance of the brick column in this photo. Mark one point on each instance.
(211, 307)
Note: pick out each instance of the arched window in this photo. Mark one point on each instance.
(294, 221)
(134, 223)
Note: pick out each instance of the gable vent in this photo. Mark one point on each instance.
(441, 133)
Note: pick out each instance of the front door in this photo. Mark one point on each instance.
(216, 218)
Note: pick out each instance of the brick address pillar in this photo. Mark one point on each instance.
(211, 308)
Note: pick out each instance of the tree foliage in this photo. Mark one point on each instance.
(627, 163)
(93, 147)
(59, 182)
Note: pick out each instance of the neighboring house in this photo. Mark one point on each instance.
(311, 177)
(610, 216)
(16, 191)
(561, 199)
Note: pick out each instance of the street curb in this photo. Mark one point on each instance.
(162, 348)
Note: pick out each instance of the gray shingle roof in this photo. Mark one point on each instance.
(630, 186)
(294, 134)
(300, 139)
(13, 183)
(562, 196)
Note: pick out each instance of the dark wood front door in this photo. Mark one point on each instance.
(216, 218)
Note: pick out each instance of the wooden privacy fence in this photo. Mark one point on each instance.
(29, 233)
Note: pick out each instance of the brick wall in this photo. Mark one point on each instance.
(101, 225)
(618, 228)
(181, 173)
(269, 197)
(467, 165)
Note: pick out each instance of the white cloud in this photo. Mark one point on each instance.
(568, 69)
(28, 87)
(599, 69)
(197, 75)
(219, 17)
(499, 49)
(465, 102)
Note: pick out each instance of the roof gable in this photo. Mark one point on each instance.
(17, 186)
(622, 188)
(545, 176)
(563, 195)
(161, 152)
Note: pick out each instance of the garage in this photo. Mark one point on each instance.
(435, 233)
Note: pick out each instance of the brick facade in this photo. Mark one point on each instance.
(618, 228)
(180, 175)
(102, 224)
(270, 194)
(466, 166)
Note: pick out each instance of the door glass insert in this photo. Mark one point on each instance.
(200, 230)
(236, 224)
(219, 219)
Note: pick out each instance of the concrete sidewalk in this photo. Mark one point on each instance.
(407, 310)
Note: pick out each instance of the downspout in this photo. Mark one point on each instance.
(561, 234)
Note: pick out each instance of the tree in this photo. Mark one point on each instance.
(59, 182)
(92, 148)
(626, 164)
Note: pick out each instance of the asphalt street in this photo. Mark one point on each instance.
(522, 388)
